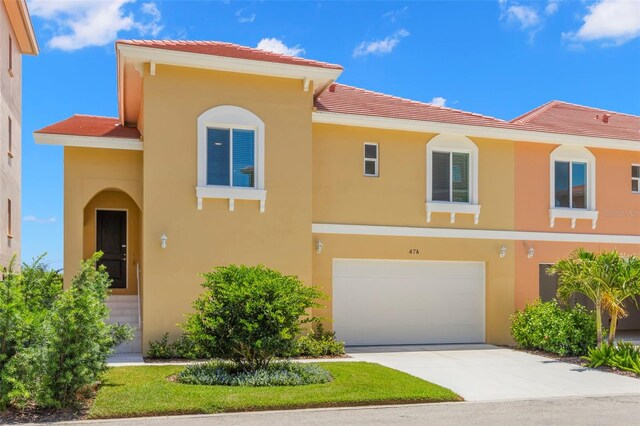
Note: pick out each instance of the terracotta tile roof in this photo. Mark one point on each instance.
(229, 50)
(343, 99)
(91, 125)
(564, 117)
(553, 117)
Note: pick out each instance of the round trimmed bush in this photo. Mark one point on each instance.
(227, 373)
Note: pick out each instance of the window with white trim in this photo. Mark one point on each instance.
(371, 159)
(572, 185)
(635, 178)
(452, 177)
(230, 156)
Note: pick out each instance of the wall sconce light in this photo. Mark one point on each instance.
(163, 241)
(503, 251)
(531, 252)
(319, 246)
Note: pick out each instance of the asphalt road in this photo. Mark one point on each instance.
(607, 410)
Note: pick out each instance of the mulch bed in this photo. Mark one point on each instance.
(577, 361)
(34, 415)
(148, 360)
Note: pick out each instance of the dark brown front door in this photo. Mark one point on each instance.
(111, 231)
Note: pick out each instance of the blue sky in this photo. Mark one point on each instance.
(499, 58)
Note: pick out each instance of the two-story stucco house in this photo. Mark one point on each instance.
(422, 224)
(17, 38)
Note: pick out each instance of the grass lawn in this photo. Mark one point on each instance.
(145, 391)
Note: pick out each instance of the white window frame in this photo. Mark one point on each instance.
(231, 117)
(453, 144)
(637, 179)
(375, 160)
(573, 154)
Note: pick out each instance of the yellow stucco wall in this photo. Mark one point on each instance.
(116, 200)
(342, 194)
(202, 239)
(499, 278)
(88, 172)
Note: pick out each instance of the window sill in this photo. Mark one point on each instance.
(231, 194)
(453, 209)
(573, 214)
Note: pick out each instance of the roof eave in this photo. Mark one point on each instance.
(318, 75)
(100, 142)
(22, 26)
(520, 135)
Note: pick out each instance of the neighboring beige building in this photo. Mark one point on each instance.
(16, 39)
(422, 224)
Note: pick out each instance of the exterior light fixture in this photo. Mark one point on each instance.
(163, 241)
(503, 251)
(531, 252)
(319, 246)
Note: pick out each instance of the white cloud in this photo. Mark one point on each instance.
(35, 219)
(551, 8)
(379, 47)
(393, 15)
(611, 21)
(245, 18)
(80, 23)
(438, 101)
(525, 16)
(277, 46)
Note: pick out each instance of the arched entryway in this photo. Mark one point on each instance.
(112, 224)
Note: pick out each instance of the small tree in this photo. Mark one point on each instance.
(607, 279)
(250, 314)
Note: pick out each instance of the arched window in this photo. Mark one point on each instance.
(572, 186)
(452, 176)
(231, 156)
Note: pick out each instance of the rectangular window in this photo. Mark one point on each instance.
(231, 157)
(9, 234)
(10, 56)
(450, 177)
(571, 184)
(10, 137)
(371, 159)
(635, 178)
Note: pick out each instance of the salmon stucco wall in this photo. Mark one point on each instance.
(619, 208)
(199, 240)
(342, 194)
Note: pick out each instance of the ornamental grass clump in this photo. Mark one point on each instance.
(250, 315)
(279, 373)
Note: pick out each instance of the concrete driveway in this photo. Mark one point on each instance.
(490, 373)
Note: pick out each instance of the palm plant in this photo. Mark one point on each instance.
(607, 279)
(625, 287)
(580, 273)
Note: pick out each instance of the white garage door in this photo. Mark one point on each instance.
(387, 302)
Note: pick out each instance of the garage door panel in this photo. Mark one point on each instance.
(408, 302)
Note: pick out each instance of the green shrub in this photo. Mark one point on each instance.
(249, 314)
(318, 343)
(552, 328)
(58, 340)
(182, 347)
(623, 356)
(280, 373)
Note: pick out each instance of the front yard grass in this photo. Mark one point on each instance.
(146, 391)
